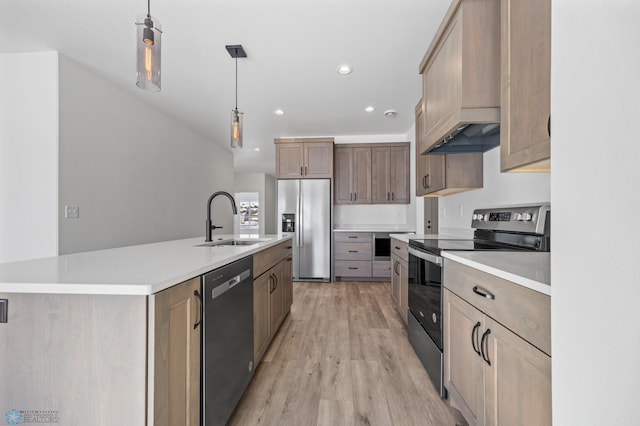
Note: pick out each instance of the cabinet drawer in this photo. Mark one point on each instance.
(524, 311)
(265, 259)
(352, 237)
(381, 269)
(399, 248)
(353, 251)
(360, 268)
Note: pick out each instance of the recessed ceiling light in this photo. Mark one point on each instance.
(278, 112)
(256, 149)
(345, 69)
(370, 109)
(391, 113)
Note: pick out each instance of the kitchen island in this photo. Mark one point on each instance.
(86, 340)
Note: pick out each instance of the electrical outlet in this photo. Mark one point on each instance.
(71, 212)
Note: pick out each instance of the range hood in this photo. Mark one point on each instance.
(469, 138)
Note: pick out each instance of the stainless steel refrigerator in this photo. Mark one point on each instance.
(304, 211)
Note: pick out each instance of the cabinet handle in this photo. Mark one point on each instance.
(353, 251)
(549, 125)
(351, 196)
(484, 293)
(352, 267)
(301, 171)
(199, 297)
(275, 280)
(353, 236)
(397, 248)
(395, 267)
(388, 198)
(306, 170)
(355, 196)
(427, 179)
(393, 196)
(473, 340)
(288, 248)
(482, 346)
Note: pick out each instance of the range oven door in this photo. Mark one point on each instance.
(425, 292)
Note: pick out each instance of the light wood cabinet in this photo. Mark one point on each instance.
(496, 375)
(310, 158)
(525, 143)
(400, 277)
(352, 175)
(272, 294)
(390, 174)
(177, 355)
(461, 70)
(445, 174)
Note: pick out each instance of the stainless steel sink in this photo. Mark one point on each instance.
(228, 243)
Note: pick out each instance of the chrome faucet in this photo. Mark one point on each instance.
(209, 226)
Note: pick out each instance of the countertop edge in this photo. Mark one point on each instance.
(500, 273)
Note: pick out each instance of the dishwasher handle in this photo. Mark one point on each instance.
(221, 289)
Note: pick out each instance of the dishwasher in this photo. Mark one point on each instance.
(227, 339)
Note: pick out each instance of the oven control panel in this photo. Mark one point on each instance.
(530, 218)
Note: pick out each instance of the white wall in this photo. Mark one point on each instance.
(28, 156)
(378, 214)
(137, 175)
(595, 155)
(499, 189)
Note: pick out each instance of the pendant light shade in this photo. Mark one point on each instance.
(236, 51)
(236, 128)
(148, 44)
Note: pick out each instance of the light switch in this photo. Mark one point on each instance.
(4, 310)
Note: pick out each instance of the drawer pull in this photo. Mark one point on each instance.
(484, 293)
(353, 251)
(397, 248)
(352, 236)
(473, 340)
(352, 267)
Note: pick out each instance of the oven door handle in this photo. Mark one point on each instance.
(426, 256)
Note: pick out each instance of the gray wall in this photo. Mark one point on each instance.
(137, 175)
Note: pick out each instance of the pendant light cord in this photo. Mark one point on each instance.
(149, 8)
(236, 80)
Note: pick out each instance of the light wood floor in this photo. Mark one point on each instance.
(342, 357)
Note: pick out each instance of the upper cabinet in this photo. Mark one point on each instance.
(461, 71)
(352, 183)
(372, 173)
(304, 158)
(390, 174)
(440, 174)
(526, 85)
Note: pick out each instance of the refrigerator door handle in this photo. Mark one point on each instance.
(302, 220)
(299, 213)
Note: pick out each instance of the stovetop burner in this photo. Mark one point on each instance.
(436, 246)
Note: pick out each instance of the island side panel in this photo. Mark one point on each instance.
(83, 358)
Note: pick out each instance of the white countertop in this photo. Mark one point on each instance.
(373, 228)
(135, 270)
(529, 269)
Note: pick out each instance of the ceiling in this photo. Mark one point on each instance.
(294, 48)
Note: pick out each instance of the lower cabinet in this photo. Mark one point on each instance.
(400, 277)
(353, 255)
(493, 375)
(177, 355)
(272, 294)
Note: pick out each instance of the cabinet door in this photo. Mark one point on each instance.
(395, 281)
(177, 355)
(362, 175)
(404, 289)
(287, 283)
(399, 158)
(277, 297)
(442, 80)
(436, 180)
(464, 367)
(526, 85)
(343, 179)
(261, 323)
(380, 173)
(518, 381)
(318, 160)
(289, 160)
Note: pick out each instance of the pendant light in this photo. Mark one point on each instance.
(236, 51)
(149, 37)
